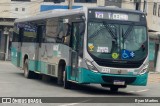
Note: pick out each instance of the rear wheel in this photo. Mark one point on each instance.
(27, 73)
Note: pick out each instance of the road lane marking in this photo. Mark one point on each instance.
(131, 91)
(143, 90)
(72, 104)
(7, 82)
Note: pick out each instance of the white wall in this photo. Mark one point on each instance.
(8, 8)
(4, 8)
(153, 21)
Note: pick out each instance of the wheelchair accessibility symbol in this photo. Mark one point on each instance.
(126, 54)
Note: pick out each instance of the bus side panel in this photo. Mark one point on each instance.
(29, 50)
(141, 80)
(47, 63)
(49, 56)
(43, 67)
(15, 54)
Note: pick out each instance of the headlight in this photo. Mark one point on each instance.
(91, 66)
(144, 69)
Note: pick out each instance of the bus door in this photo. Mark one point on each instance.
(76, 44)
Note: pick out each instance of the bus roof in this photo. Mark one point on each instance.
(61, 13)
(51, 14)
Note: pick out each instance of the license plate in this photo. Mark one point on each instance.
(119, 82)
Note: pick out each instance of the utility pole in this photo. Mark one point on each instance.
(69, 4)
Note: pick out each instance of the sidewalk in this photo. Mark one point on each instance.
(151, 72)
(154, 77)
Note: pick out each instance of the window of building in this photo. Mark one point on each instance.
(154, 8)
(159, 11)
(85, 1)
(16, 9)
(137, 6)
(20, 0)
(23, 9)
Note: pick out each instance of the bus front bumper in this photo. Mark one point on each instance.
(88, 76)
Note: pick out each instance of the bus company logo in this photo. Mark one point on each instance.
(91, 46)
(6, 100)
(115, 55)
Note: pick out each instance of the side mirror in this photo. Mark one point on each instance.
(65, 21)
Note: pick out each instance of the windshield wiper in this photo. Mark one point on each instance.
(125, 35)
(110, 30)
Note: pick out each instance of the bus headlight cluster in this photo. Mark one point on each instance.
(144, 69)
(91, 66)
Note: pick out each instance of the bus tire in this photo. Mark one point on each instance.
(66, 84)
(114, 89)
(27, 73)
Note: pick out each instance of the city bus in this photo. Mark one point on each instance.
(98, 45)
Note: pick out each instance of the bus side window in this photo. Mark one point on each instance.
(21, 34)
(51, 30)
(29, 32)
(67, 33)
(40, 34)
(15, 34)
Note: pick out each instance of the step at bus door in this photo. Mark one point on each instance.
(74, 65)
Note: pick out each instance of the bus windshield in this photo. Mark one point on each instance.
(117, 41)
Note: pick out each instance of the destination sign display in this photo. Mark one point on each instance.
(110, 15)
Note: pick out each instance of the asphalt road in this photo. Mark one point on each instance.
(13, 84)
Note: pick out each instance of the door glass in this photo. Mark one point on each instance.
(77, 46)
(77, 36)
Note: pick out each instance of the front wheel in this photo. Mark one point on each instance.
(114, 89)
(66, 84)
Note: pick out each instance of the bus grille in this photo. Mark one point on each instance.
(111, 79)
(118, 64)
(51, 69)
